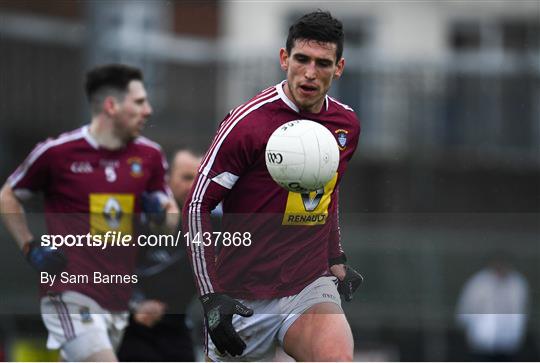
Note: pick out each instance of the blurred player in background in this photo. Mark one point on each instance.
(279, 286)
(492, 309)
(158, 330)
(94, 180)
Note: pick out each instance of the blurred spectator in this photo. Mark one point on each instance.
(183, 171)
(492, 309)
(158, 328)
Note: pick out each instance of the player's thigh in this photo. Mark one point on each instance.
(322, 333)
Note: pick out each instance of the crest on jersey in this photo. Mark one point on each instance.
(86, 317)
(341, 138)
(135, 167)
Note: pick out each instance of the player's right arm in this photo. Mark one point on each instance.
(229, 155)
(203, 197)
(218, 307)
(14, 217)
(31, 175)
(234, 149)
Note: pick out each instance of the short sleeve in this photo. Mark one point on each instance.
(233, 150)
(34, 172)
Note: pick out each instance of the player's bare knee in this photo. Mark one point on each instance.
(334, 355)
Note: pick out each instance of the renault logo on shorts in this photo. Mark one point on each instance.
(274, 158)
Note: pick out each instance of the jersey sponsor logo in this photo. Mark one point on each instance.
(274, 158)
(309, 209)
(311, 203)
(111, 212)
(341, 138)
(135, 167)
(81, 167)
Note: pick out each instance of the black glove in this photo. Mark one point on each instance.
(45, 259)
(350, 283)
(152, 208)
(218, 312)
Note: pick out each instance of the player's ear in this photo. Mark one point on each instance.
(339, 68)
(284, 59)
(109, 105)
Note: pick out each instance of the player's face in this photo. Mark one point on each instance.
(132, 112)
(183, 172)
(311, 66)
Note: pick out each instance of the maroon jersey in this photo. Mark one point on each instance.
(292, 235)
(89, 189)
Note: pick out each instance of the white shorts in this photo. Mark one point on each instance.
(79, 326)
(271, 319)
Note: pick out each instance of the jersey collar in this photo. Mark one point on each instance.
(289, 102)
(89, 138)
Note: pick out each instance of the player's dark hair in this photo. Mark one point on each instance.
(319, 26)
(114, 77)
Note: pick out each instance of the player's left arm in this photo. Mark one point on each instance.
(349, 279)
(158, 202)
(172, 214)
